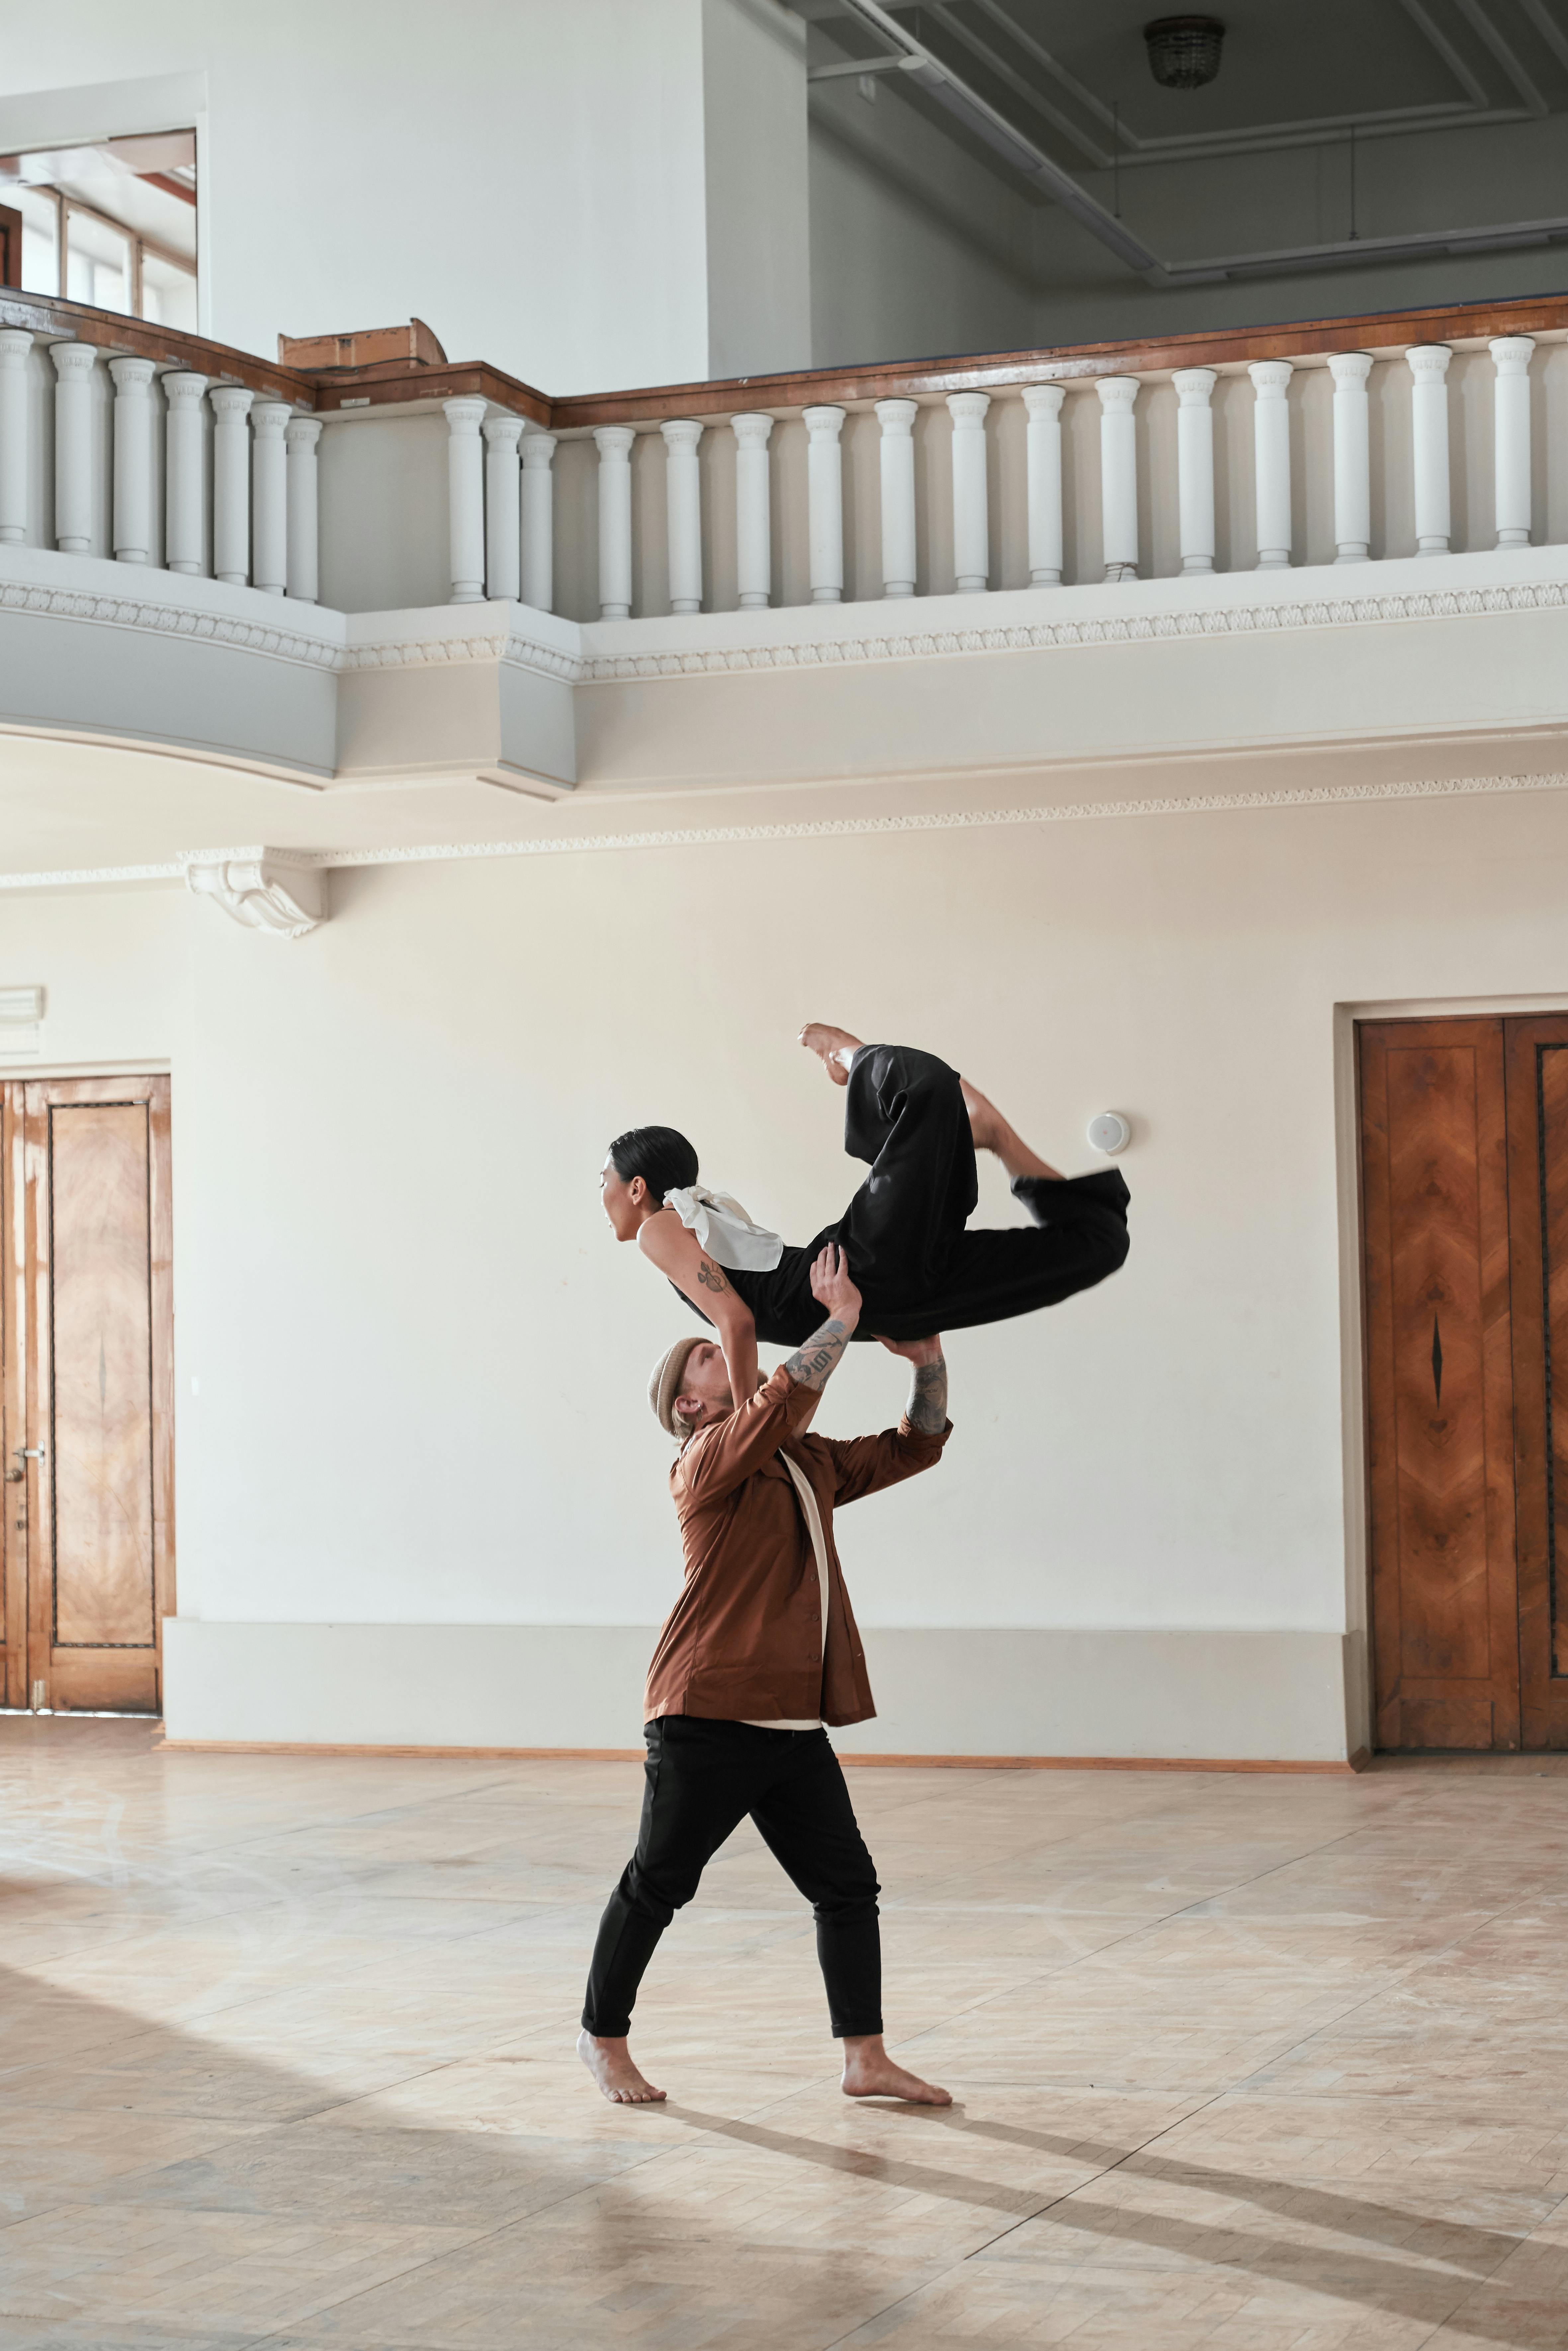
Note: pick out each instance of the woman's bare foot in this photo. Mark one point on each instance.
(610, 2066)
(992, 1132)
(870, 2073)
(836, 1046)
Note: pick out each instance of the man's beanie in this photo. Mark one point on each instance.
(664, 1385)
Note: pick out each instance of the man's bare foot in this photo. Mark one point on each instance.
(610, 2066)
(836, 1046)
(870, 2073)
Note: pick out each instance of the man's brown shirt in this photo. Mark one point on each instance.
(743, 1641)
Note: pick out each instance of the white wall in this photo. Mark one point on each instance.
(918, 248)
(532, 179)
(421, 1356)
(757, 214)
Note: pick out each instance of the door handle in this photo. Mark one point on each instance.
(16, 1477)
(30, 1452)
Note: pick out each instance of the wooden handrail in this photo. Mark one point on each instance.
(1229, 347)
(111, 330)
(397, 381)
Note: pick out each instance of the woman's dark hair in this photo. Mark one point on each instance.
(663, 1158)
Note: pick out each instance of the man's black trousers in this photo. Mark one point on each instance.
(703, 1778)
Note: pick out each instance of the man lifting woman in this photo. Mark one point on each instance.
(760, 1652)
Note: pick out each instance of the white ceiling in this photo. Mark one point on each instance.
(1059, 69)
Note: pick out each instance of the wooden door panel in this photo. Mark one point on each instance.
(1434, 1142)
(13, 1408)
(102, 1416)
(1538, 1123)
(95, 1242)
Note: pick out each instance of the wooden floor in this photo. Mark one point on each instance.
(1243, 2061)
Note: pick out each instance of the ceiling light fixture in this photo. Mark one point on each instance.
(1184, 51)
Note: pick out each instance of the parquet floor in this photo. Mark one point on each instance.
(1266, 2062)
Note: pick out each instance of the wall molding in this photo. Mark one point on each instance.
(1065, 1697)
(583, 844)
(584, 660)
(172, 620)
(1243, 618)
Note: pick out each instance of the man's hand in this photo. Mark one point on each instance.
(927, 1406)
(915, 1351)
(832, 1286)
(814, 1364)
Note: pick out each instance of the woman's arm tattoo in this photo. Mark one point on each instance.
(928, 1399)
(709, 1275)
(816, 1361)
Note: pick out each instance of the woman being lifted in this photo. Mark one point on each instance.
(918, 1125)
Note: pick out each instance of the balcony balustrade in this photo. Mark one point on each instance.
(288, 567)
(407, 484)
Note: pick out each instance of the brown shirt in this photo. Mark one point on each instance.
(743, 1641)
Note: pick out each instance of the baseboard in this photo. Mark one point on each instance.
(1009, 1696)
(856, 1762)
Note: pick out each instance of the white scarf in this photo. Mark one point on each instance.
(724, 1230)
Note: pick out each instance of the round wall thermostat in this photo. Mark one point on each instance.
(1110, 1131)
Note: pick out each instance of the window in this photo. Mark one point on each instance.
(112, 225)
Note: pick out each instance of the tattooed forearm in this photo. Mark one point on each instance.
(813, 1367)
(709, 1275)
(928, 1399)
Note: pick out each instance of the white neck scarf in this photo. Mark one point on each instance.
(724, 1230)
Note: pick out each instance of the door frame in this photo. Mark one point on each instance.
(25, 1098)
(1347, 1016)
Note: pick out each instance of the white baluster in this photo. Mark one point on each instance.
(1042, 439)
(1272, 461)
(1194, 466)
(184, 467)
(1351, 457)
(753, 515)
(269, 497)
(73, 446)
(1119, 476)
(897, 418)
(16, 343)
(825, 503)
(613, 443)
(971, 524)
(231, 482)
(503, 510)
(1511, 432)
(683, 512)
(133, 428)
(1429, 364)
(538, 521)
(464, 499)
(300, 435)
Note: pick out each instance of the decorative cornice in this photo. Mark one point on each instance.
(1436, 788)
(949, 820)
(547, 661)
(169, 620)
(87, 877)
(422, 653)
(1245, 619)
(425, 653)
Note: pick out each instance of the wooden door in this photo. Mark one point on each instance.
(1439, 1384)
(89, 1552)
(1538, 1173)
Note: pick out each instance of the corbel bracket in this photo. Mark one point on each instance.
(268, 889)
